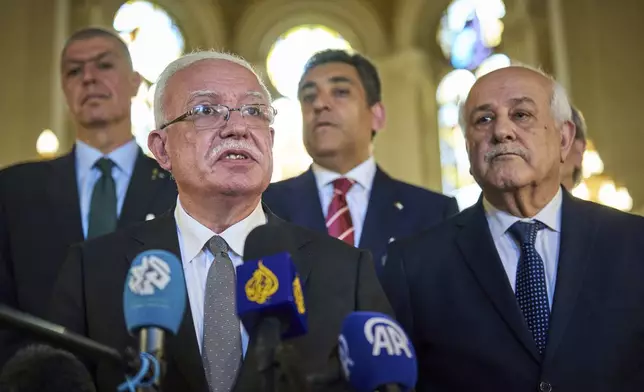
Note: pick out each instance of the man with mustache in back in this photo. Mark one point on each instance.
(530, 289)
(345, 193)
(104, 183)
(213, 116)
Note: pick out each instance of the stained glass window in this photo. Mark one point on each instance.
(469, 32)
(154, 41)
(284, 65)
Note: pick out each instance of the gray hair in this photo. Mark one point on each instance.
(580, 123)
(184, 62)
(559, 102)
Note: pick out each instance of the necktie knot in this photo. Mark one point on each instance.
(105, 165)
(342, 185)
(526, 232)
(218, 245)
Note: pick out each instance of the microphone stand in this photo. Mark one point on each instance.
(151, 341)
(290, 374)
(268, 335)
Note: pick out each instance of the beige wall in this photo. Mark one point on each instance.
(606, 69)
(25, 77)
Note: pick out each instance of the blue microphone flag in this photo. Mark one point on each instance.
(155, 292)
(375, 351)
(271, 286)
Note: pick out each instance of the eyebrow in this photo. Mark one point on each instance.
(254, 94)
(520, 100)
(214, 95)
(202, 93)
(332, 79)
(513, 101)
(100, 56)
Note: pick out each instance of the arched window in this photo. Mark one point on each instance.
(468, 34)
(154, 41)
(284, 65)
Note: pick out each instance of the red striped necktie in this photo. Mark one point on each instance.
(338, 219)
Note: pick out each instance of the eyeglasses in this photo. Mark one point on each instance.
(216, 116)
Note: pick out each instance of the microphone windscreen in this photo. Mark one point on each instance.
(270, 287)
(155, 292)
(375, 351)
(264, 240)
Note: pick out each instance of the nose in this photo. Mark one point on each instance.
(235, 127)
(321, 102)
(504, 130)
(89, 74)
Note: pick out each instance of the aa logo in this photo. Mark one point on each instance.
(384, 334)
(345, 356)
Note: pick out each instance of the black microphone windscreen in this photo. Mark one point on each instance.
(264, 240)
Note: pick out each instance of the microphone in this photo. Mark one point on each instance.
(270, 302)
(154, 300)
(376, 354)
(59, 336)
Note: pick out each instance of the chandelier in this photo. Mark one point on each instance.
(598, 187)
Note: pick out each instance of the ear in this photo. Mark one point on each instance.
(135, 82)
(378, 116)
(272, 132)
(157, 142)
(567, 136)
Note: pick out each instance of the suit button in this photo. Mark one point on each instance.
(545, 386)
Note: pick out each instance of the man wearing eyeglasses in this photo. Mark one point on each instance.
(214, 135)
(104, 183)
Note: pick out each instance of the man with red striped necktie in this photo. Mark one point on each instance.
(345, 193)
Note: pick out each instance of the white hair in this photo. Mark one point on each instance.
(186, 61)
(559, 102)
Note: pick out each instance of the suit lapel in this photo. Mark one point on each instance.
(380, 220)
(63, 188)
(307, 209)
(578, 233)
(161, 233)
(146, 178)
(479, 252)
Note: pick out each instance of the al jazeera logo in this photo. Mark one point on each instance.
(261, 285)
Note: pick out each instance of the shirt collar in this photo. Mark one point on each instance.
(500, 221)
(194, 235)
(362, 174)
(124, 156)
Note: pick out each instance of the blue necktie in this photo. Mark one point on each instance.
(531, 291)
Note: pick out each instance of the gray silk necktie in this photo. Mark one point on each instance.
(222, 348)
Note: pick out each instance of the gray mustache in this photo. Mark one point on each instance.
(503, 150)
(233, 144)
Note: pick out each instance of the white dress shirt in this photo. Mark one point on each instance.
(358, 195)
(547, 243)
(197, 259)
(87, 175)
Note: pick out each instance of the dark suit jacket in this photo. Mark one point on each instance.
(297, 200)
(40, 218)
(336, 279)
(451, 293)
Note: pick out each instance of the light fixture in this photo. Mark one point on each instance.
(598, 187)
(47, 144)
